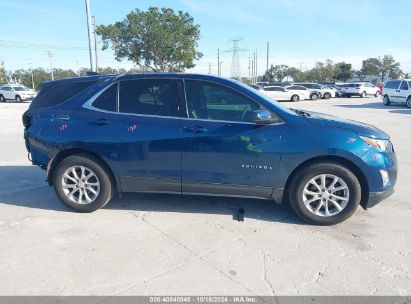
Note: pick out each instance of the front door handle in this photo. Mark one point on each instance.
(197, 129)
(100, 122)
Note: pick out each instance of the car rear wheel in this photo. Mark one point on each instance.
(386, 100)
(2, 99)
(314, 96)
(363, 94)
(82, 183)
(324, 194)
(18, 98)
(327, 96)
(377, 94)
(295, 98)
(408, 103)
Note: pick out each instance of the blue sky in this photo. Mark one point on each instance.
(299, 31)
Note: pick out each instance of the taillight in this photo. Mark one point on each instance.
(27, 120)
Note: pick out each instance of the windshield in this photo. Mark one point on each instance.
(352, 85)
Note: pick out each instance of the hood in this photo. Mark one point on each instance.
(336, 122)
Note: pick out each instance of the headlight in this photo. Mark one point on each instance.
(380, 144)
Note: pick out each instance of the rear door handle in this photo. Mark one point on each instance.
(100, 122)
(195, 129)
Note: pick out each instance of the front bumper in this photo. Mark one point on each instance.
(376, 197)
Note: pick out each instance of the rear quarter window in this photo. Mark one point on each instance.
(57, 93)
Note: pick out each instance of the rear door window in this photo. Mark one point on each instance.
(147, 97)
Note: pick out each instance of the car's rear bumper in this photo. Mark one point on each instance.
(377, 197)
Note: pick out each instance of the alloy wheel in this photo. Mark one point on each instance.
(80, 184)
(326, 195)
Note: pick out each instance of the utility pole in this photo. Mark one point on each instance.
(32, 76)
(249, 66)
(50, 56)
(268, 52)
(78, 68)
(218, 62)
(90, 44)
(256, 67)
(209, 68)
(95, 42)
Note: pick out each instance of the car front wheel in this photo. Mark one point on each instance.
(386, 101)
(408, 103)
(324, 194)
(18, 98)
(363, 94)
(327, 96)
(82, 183)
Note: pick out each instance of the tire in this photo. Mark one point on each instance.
(386, 100)
(408, 102)
(314, 96)
(18, 98)
(295, 98)
(2, 99)
(363, 94)
(101, 177)
(327, 96)
(377, 94)
(303, 179)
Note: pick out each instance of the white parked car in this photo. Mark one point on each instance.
(16, 92)
(397, 91)
(317, 90)
(362, 89)
(284, 94)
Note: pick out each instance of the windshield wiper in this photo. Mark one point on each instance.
(301, 113)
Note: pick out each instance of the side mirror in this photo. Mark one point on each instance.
(262, 117)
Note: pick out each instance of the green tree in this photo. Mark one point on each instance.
(276, 73)
(296, 74)
(389, 67)
(382, 67)
(3, 73)
(343, 71)
(160, 39)
(370, 67)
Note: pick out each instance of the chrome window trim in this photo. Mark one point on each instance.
(89, 103)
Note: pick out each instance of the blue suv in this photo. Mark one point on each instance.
(197, 134)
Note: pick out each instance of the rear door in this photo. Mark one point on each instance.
(223, 152)
(136, 126)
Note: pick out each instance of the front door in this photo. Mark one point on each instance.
(223, 152)
(403, 92)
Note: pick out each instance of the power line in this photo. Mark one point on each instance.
(235, 69)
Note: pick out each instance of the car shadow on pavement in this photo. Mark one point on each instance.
(24, 186)
(377, 105)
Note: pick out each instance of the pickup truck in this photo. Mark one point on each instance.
(16, 92)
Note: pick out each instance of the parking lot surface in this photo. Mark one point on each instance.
(168, 245)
